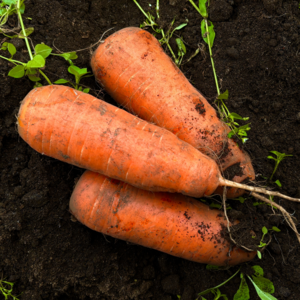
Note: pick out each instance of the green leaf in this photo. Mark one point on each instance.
(11, 49)
(211, 33)
(223, 96)
(212, 267)
(262, 295)
(202, 8)
(241, 199)
(38, 61)
(264, 230)
(38, 84)
(9, 2)
(236, 116)
(278, 183)
(86, 90)
(264, 284)
(77, 71)
(22, 8)
(181, 47)
(43, 50)
(258, 270)
(61, 81)
(4, 46)
(274, 228)
(180, 26)
(28, 31)
(258, 254)
(68, 55)
(243, 292)
(34, 78)
(215, 205)
(17, 71)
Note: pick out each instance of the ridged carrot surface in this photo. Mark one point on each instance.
(82, 130)
(133, 68)
(171, 223)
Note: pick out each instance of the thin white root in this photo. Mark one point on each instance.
(225, 182)
(228, 222)
(286, 215)
(98, 42)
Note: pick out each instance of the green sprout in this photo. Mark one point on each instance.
(74, 70)
(208, 35)
(6, 289)
(261, 243)
(263, 286)
(279, 157)
(166, 36)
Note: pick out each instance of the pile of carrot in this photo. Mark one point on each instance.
(141, 163)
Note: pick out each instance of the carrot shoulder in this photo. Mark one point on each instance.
(82, 130)
(171, 223)
(133, 68)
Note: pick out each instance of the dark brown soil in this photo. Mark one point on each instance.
(48, 255)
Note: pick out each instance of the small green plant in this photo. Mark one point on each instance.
(278, 158)
(33, 69)
(74, 70)
(263, 286)
(208, 35)
(6, 289)
(8, 8)
(166, 36)
(261, 243)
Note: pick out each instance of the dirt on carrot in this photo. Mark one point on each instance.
(49, 256)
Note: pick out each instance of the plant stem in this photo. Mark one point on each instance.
(211, 58)
(12, 60)
(157, 8)
(275, 168)
(23, 30)
(195, 7)
(142, 10)
(45, 76)
(167, 42)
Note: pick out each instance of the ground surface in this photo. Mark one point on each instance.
(47, 255)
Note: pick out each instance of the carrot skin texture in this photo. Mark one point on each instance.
(133, 68)
(171, 223)
(82, 130)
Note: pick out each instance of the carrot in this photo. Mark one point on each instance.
(133, 68)
(171, 223)
(82, 130)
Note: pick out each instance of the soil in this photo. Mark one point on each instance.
(48, 255)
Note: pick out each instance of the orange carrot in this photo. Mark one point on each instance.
(171, 223)
(82, 130)
(133, 68)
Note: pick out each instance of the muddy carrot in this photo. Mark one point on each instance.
(133, 68)
(171, 223)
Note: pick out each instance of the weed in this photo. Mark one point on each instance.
(166, 36)
(279, 157)
(8, 8)
(263, 286)
(34, 67)
(6, 288)
(208, 34)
